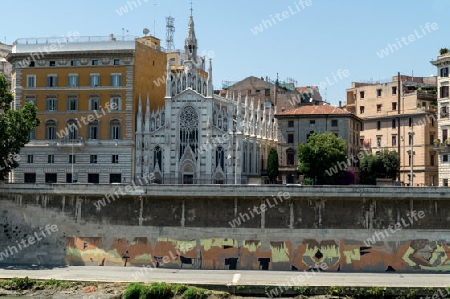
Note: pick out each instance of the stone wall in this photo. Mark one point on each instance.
(348, 229)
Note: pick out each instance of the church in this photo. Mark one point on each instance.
(199, 137)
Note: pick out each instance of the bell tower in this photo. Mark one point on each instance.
(190, 44)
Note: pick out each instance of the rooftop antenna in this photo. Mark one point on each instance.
(145, 31)
(170, 30)
(191, 8)
(154, 22)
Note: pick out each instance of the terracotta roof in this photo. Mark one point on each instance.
(315, 110)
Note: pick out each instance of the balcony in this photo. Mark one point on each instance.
(442, 147)
(67, 142)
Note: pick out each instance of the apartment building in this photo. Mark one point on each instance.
(86, 90)
(407, 126)
(442, 145)
(296, 125)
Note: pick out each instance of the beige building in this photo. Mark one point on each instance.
(410, 126)
(295, 126)
(443, 146)
(286, 98)
(5, 66)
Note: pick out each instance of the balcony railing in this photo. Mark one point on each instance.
(67, 142)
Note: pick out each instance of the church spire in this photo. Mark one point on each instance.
(190, 44)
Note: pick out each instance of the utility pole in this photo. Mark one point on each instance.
(399, 86)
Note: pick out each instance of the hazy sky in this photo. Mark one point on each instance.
(317, 41)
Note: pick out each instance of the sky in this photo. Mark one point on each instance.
(328, 43)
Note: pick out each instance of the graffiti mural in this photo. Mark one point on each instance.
(230, 254)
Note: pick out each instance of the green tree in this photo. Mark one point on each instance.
(386, 166)
(15, 128)
(322, 157)
(272, 165)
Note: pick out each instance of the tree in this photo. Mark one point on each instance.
(15, 128)
(323, 157)
(272, 165)
(386, 166)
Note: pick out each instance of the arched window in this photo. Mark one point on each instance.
(184, 83)
(157, 157)
(219, 122)
(225, 124)
(93, 130)
(72, 129)
(215, 118)
(178, 85)
(163, 118)
(220, 157)
(290, 157)
(190, 80)
(50, 130)
(194, 83)
(115, 129)
(204, 89)
(157, 122)
(199, 86)
(244, 160)
(188, 129)
(250, 162)
(152, 124)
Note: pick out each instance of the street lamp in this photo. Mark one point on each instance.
(411, 154)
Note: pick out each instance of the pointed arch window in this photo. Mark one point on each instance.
(220, 157)
(157, 157)
(188, 129)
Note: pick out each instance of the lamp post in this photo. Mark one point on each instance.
(411, 175)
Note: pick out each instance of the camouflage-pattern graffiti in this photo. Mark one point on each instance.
(230, 254)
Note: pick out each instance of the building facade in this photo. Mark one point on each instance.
(296, 125)
(199, 137)
(442, 145)
(5, 66)
(409, 125)
(85, 90)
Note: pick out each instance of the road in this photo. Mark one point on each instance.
(233, 277)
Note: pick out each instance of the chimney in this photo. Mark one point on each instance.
(340, 104)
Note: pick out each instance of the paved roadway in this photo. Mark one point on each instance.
(233, 277)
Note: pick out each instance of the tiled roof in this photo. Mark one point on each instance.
(315, 110)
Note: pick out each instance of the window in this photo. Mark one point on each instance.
(115, 104)
(410, 159)
(361, 95)
(116, 80)
(290, 157)
(72, 159)
(32, 135)
(30, 99)
(361, 109)
(51, 159)
(50, 104)
(52, 81)
(69, 178)
(290, 138)
(72, 104)
(431, 160)
(93, 159)
(361, 128)
(443, 92)
(444, 111)
(378, 125)
(115, 159)
(410, 139)
(394, 124)
(378, 92)
(116, 61)
(394, 140)
(267, 92)
(378, 108)
(93, 104)
(394, 106)
(52, 63)
(94, 62)
(50, 130)
(334, 123)
(115, 129)
(410, 122)
(444, 158)
(93, 130)
(379, 141)
(258, 91)
(444, 134)
(29, 178)
(249, 92)
(32, 64)
(312, 123)
(73, 63)
(72, 128)
(93, 178)
(431, 138)
(31, 81)
(290, 124)
(73, 80)
(115, 178)
(95, 80)
(51, 178)
(444, 72)
(432, 121)
(445, 182)
(30, 159)
(394, 90)
(220, 158)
